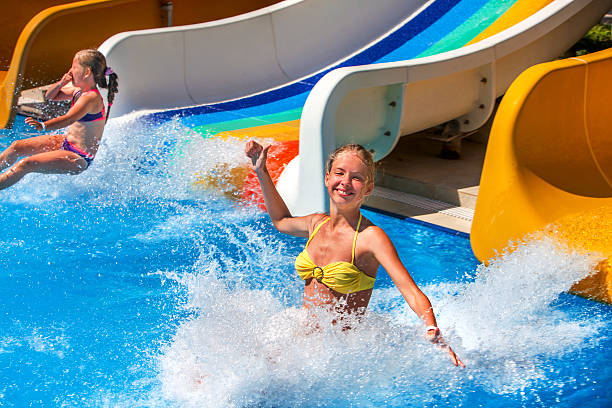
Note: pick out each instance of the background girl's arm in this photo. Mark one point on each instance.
(82, 106)
(385, 253)
(61, 90)
(277, 209)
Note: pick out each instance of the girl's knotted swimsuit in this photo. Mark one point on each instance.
(341, 276)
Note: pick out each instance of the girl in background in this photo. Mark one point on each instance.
(72, 152)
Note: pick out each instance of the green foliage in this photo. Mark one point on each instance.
(598, 38)
(599, 33)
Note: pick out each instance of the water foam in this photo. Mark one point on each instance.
(514, 293)
(509, 321)
(137, 160)
(246, 341)
(247, 347)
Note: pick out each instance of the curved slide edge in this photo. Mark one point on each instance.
(548, 165)
(375, 104)
(47, 43)
(15, 16)
(247, 54)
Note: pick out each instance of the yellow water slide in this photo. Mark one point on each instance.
(41, 36)
(548, 165)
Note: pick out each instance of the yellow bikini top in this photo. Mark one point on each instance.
(340, 276)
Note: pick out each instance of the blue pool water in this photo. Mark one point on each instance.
(128, 286)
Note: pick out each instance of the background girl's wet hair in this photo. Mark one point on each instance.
(361, 152)
(95, 60)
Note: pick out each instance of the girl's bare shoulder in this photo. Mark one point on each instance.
(314, 220)
(370, 229)
(372, 234)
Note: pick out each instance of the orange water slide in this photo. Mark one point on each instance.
(39, 37)
(548, 165)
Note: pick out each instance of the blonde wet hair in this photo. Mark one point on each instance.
(364, 155)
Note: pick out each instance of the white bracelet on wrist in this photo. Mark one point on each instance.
(44, 128)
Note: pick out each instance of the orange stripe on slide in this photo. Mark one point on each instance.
(240, 181)
(279, 155)
(280, 132)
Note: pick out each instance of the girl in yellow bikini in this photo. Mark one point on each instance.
(344, 249)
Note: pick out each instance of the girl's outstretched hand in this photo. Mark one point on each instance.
(434, 337)
(257, 154)
(453, 356)
(34, 123)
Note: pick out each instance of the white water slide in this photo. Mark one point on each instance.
(291, 42)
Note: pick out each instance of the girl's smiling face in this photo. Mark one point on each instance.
(347, 181)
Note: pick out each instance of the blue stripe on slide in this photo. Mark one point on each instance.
(412, 28)
(436, 31)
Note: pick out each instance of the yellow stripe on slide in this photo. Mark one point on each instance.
(515, 14)
(281, 132)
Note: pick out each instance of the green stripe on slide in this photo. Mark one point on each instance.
(214, 128)
(470, 28)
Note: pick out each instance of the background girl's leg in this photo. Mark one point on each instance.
(28, 147)
(55, 162)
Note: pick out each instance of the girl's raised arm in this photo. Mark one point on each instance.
(61, 90)
(386, 254)
(277, 209)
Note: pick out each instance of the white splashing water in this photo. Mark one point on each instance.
(246, 347)
(515, 292)
(136, 160)
(507, 321)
